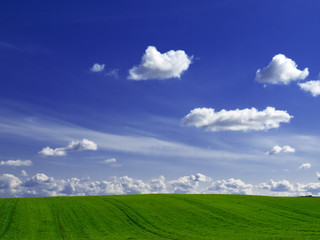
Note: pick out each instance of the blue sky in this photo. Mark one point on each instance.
(122, 93)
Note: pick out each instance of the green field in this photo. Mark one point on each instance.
(160, 217)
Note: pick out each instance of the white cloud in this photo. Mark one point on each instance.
(47, 151)
(42, 185)
(311, 86)
(16, 163)
(24, 173)
(281, 70)
(133, 186)
(113, 73)
(236, 120)
(230, 186)
(158, 185)
(57, 131)
(110, 160)
(37, 179)
(285, 188)
(310, 188)
(305, 166)
(318, 176)
(280, 186)
(84, 144)
(156, 65)
(188, 184)
(277, 149)
(97, 67)
(9, 181)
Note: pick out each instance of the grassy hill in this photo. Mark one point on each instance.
(160, 217)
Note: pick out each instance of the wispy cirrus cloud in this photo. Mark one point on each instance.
(16, 163)
(281, 70)
(113, 73)
(156, 65)
(236, 120)
(55, 131)
(7, 45)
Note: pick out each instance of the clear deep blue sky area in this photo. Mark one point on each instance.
(122, 97)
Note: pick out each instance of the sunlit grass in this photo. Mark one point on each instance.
(160, 217)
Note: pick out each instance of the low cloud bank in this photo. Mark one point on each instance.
(42, 185)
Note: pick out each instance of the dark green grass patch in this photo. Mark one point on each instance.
(164, 216)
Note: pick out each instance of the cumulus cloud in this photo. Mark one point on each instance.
(305, 166)
(37, 179)
(285, 188)
(280, 186)
(311, 86)
(133, 186)
(281, 70)
(318, 176)
(97, 67)
(230, 186)
(310, 188)
(16, 163)
(42, 185)
(277, 149)
(9, 181)
(236, 120)
(156, 65)
(188, 184)
(84, 144)
(158, 185)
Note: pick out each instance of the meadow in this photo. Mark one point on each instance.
(160, 216)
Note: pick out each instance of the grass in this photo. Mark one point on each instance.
(164, 216)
